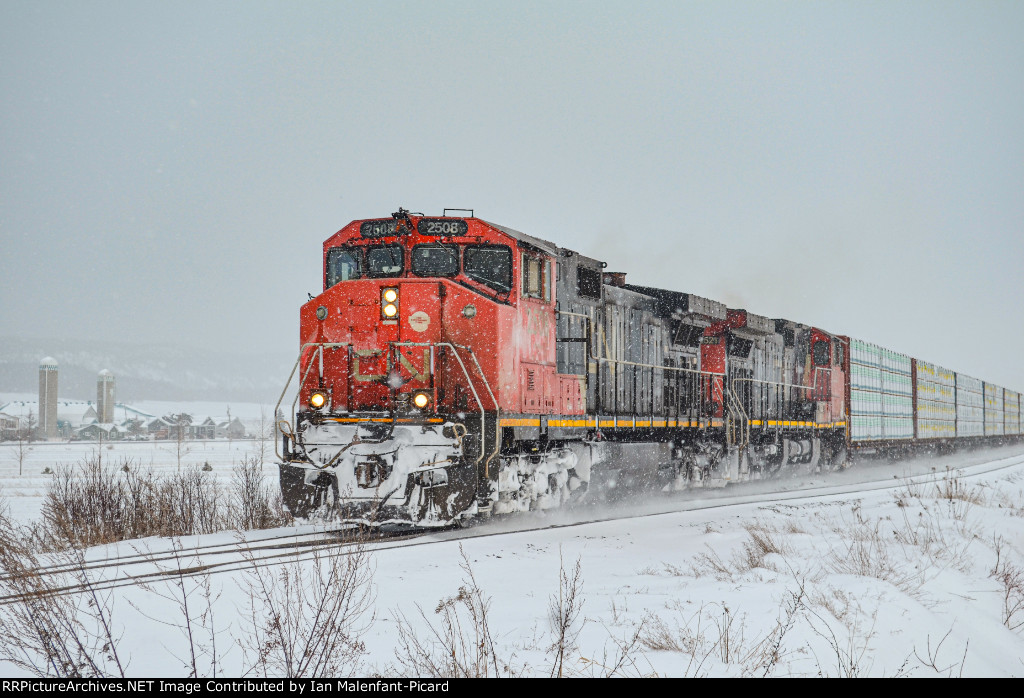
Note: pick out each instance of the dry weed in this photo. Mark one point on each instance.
(307, 618)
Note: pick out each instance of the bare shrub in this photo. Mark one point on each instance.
(928, 531)
(1011, 577)
(711, 563)
(864, 552)
(714, 629)
(254, 505)
(688, 637)
(765, 655)
(793, 527)
(307, 617)
(460, 644)
(618, 660)
(92, 503)
(931, 657)
(762, 541)
(849, 646)
(563, 614)
(194, 598)
(84, 506)
(837, 602)
(952, 488)
(911, 489)
(190, 502)
(50, 634)
(658, 636)
(871, 558)
(729, 638)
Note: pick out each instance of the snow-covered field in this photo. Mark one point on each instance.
(24, 492)
(907, 569)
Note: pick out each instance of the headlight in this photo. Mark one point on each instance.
(421, 400)
(317, 400)
(389, 303)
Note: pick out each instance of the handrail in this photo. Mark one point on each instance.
(634, 363)
(781, 385)
(497, 416)
(277, 407)
(794, 386)
(732, 403)
(731, 381)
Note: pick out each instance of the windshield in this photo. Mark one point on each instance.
(435, 260)
(384, 260)
(343, 264)
(491, 265)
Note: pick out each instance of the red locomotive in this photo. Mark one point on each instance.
(453, 368)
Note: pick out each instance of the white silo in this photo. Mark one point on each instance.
(48, 398)
(105, 397)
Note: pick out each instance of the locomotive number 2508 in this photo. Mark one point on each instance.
(442, 226)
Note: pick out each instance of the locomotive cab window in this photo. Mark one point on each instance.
(343, 264)
(536, 277)
(384, 260)
(435, 259)
(821, 352)
(490, 265)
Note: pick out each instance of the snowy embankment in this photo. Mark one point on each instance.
(920, 574)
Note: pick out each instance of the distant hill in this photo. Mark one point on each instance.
(144, 371)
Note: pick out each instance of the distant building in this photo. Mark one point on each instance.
(9, 426)
(48, 398)
(100, 432)
(105, 397)
(205, 428)
(231, 430)
(159, 428)
(73, 415)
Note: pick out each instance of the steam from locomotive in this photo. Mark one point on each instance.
(454, 368)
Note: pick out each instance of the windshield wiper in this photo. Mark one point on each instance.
(495, 286)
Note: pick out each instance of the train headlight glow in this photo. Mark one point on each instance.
(389, 303)
(317, 400)
(421, 400)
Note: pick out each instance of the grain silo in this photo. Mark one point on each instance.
(48, 398)
(105, 397)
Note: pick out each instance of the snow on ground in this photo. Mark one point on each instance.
(906, 569)
(25, 492)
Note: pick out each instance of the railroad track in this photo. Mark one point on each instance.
(183, 563)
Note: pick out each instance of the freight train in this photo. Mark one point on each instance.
(455, 368)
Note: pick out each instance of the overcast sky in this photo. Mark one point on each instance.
(169, 170)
